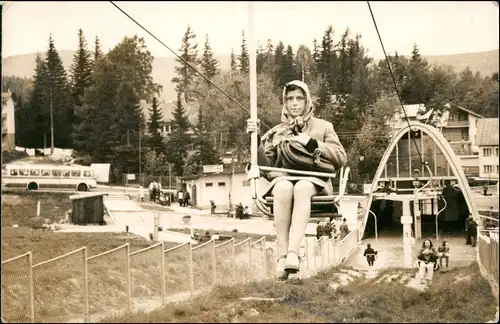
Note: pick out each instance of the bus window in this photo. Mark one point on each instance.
(56, 173)
(86, 173)
(45, 173)
(75, 173)
(65, 173)
(35, 172)
(24, 172)
(13, 172)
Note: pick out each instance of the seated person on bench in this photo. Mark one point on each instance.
(292, 194)
(427, 257)
(444, 253)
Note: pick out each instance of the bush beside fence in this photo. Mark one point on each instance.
(75, 287)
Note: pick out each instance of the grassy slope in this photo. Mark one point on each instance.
(312, 300)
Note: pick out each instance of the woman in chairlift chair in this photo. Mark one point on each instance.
(292, 194)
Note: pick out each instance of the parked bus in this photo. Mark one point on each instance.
(48, 176)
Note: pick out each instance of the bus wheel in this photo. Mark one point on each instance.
(32, 186)
(82, 187)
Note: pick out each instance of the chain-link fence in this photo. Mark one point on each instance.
(109, 281)
(17, 289)
(61, 288)
(75, 287)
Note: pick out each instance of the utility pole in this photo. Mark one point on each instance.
(140, 159)
(231, 181)
(169, 176)
(51, 123)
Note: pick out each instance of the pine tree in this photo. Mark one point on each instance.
(279, 54)
(185, 75)
(98, 131)
(81, 74)
(209, 64)
(287, 69)
(345, 64)
(244, 58)
(260, 59)
(417, 88)
(328, 60)
(59, 98)
(178, 139)
(268, 65)
(97, 50)
(129, 120)
(155, 118)
(233, 65)
(316, 57)
(35, 118)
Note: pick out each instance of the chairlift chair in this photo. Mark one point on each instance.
(319, 203)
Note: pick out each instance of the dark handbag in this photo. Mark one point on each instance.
(293, 155)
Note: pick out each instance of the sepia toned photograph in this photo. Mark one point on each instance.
(250, 162)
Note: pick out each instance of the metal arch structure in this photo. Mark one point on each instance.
(442, 144)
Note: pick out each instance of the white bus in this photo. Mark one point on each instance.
(48, 176)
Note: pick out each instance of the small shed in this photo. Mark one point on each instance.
(88, 208)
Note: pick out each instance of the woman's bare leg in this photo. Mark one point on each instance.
(304, 191)
(282, 207)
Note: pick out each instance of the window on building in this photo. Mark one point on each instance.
(209, 184)
(496, 151)
(497, 169)
(465, 134)
(487, 151)
(221, 184)
(488, 169)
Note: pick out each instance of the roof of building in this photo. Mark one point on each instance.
(227, 169)
(413, 110)
(487, 132)
(468, 111)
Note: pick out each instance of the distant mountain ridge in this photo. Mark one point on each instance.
(23, 65)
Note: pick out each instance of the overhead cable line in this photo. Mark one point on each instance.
(396, 85)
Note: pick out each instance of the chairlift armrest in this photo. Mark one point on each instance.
(299, 172)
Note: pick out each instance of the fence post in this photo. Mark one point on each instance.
(85, 286)
(264, 250)
(162, 267)
(214, 264)
(250, 257)
(315, 258)
(233, 254)
(129, 279)
(329, 242)
(191, 273)
(30, 287)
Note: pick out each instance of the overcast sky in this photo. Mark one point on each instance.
(438, 28)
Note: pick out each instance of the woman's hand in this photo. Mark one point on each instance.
(253, 126)
(302, 138)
